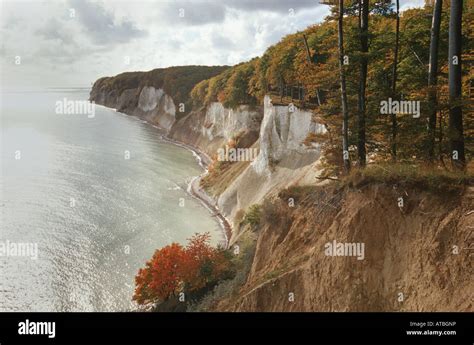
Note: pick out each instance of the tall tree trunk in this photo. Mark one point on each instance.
(364, 45)
(311, 59)
(394, 85)
(456, 135)
(359, 3)
(345, 112)
(433, 77)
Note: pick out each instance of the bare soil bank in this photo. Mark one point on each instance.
(417, 257)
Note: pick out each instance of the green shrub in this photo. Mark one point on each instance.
(252, 216)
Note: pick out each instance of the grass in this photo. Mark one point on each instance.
(296, 193)
(223, 173)
(415, 175)
(218, 181)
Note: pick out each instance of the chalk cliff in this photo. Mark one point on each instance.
(208, 128)
(283, 159)
(148, 103)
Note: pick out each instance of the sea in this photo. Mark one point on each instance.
(87, 195)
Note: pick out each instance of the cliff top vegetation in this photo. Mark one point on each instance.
(307, 75)
(176, 81)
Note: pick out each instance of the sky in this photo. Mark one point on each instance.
(71, 43)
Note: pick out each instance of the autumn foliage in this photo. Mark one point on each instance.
(176, 268)
(287, 65)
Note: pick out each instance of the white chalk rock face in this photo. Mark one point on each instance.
(168, 105)
(149, 98)
(282, 133)
(224, 123)
(167, 113)
(156, 107)
(283, 156)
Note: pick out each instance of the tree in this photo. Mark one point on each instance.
(456, 136)
(175, 268)
(237, 88)
(393, 116)
(364, 48)
(433, 77)
(345, 112)
(290, 61)
(204, 264)
(161, 277)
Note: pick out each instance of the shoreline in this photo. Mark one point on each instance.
(194, 189)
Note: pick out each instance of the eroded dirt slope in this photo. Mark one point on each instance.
(410, 261)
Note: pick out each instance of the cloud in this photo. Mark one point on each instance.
(94, 43)
(192, 13)
(55, 30)
(221, 42)
(280, 6)
(102, 26)
(10, 22)
(407, 4)
(204, 12)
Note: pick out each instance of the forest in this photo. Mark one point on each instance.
(383, 56)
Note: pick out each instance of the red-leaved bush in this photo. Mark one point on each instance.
(175, 268)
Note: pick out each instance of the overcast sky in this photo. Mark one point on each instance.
(74, 42)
